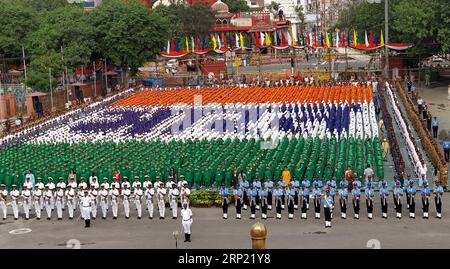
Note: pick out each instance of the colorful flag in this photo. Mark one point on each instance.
(337, 39)
(327, 40)
(381, 39)
(366, 40)
(214, 42)
(187, 44)
(241, 39)
(355, 38)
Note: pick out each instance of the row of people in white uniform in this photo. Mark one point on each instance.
(106, 196)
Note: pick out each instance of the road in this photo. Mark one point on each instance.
(211, 231)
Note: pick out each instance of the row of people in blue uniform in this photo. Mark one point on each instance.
(258, 195)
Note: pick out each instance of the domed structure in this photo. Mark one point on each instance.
(220, 7)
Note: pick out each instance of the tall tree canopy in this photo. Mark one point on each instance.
(128, 34)
(237, 5)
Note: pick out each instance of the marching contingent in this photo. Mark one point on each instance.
(295, 194)
(89, 199)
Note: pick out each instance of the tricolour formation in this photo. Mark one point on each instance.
(205, 133)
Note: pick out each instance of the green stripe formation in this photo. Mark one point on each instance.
(202, 162)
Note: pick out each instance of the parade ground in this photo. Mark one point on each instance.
(210, 231)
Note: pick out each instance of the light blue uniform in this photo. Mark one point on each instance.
(306, 183)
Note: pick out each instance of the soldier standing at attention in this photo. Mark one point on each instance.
(290, 193)
(224, 195)
(114, 193)
(295, 186)
(4, 200)
(59, 202)
(304, 194)
(411, 193)
(327, 207)
(252, 193)
(160, 195)
(70, 195)
(263, 195)
(186, 221)
(384, 194)
(268, 185)
(438, 190)
(86, 204)
(356, 193)
(307, 185)
(317, 199)
(238, 198)
(244, 186)
(343, 196)
(369, 192)
(149, 194)
(104, 201)
(126, 193)
(277, 193)
(26, 196)
(138, 193)
(398, 193)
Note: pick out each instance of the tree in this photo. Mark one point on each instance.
(186, 20)
(39, 69)
(16, 23)
(273, 7)
(128, 34)
(237, 5)
(65, 29)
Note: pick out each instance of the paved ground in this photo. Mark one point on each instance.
(211, 231)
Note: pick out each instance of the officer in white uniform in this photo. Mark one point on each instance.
(94, 194)
(174, 194)
(71, 196)
(26, 196)
(126, 183)
(138, 193)
(59, 197)
(186, 221)
(86, 204)
(114, 193)
(61, 184)
(160, 195)
(37, 196)
(157, 182)
(51, 187)
(105, 183)
(147, 183)
(149, 194)
(82, 185)
(27, 184)
(15, 194)
(126, 193)
(185, 193)
(104, 201)
(48, 195)
(40, 186)
(4, 200)
(136, 183)
(182, 182)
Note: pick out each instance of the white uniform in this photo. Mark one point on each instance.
(186, 220)
(106, 184)
(138, 193)
(185, 193)
(59, 199)
(160, 194)
(125, 183)
(181, 183)
(48, 196)
(51, 186)
(114, 193)
(82, 185)
(149, 193)
(37, 194)
(15, 194)
(71, 201)
(28, 184)
(175, 193)
(126, 193)
(146, 184)
(74, 186)
(136, 184)
(26, 195)
(104, 202)
(94, 193)
(86, 203)
(3, 199)
(117, 184)
(41, 186)
(62, 185)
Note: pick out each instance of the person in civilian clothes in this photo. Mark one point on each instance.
(411, 193)
(277, 193)
(224, 196)
(398, 193)
(327, 207)
(290, 193)
(257, 186)
(244, 186)
(317, 199)
(343, 196)
(252, 194)
(384, 194)
(438, 191)
(238, 195)
(268, 185)
(282, 184)
(356, 193)
(369, 192)
(304, 194)
(295, 185)
(307, 185)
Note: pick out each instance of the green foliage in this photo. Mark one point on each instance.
(237, 5)
(186, 20)
(128, 33)
(39, 72)
(273, 7)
